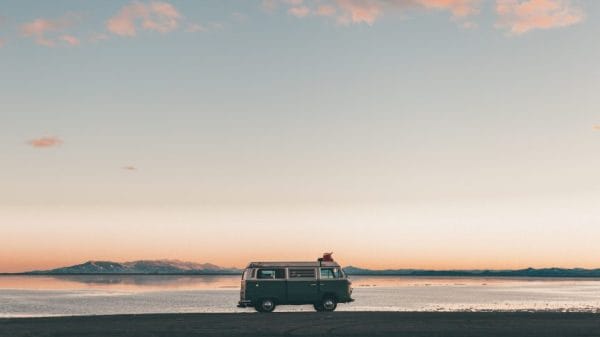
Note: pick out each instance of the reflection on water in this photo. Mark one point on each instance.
(120, 282)
(213, 282)
(120, 294)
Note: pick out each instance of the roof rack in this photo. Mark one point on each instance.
(325, 261)
(293, 264)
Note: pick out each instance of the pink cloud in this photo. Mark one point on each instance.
(2, 42)
(154, 16)
(469, 25)
(270, 5)
(45, 142)
(44, 31)
(596, 127)
(359, 11)
(129, 168)
(300, 11)
(458, 8)
(518, 17)
(325, 10)
(70, 40)
(369, 11)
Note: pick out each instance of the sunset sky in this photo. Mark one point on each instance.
(395, 133)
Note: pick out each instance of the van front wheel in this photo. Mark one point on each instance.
(265, 305)
(327, 304)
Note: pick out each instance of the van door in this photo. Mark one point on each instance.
(302, 285)
(270, 283)
(331, 281)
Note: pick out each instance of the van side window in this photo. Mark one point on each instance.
(330, 273)
(302, 273)
(271, 274)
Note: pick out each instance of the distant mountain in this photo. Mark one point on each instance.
(141, 267)
(529, 272)
(153, 267)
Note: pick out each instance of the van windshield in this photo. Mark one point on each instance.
(331, 273)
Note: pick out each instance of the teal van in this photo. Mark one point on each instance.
(320, 283)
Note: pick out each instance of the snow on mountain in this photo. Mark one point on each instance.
(141, 267)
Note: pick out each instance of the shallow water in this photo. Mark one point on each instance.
(24, 296)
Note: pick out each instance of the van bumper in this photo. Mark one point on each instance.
(244, 303)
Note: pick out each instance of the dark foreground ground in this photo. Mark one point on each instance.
(311, 324)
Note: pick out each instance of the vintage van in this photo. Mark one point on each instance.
(320, 283)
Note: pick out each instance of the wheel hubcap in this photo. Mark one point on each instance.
(267, 305)
(328, 304)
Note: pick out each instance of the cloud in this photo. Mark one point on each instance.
(469, 25)
(45, 142)
(458, 8)
(46, 32)
(299, 12)
(2, 41)
(153, 16)
(596, 127)
(70, 40)
(518, 16)
(129, 168)
(195, 27)
(325, 10)
(270, 5)
(359, 11)
(369, 11)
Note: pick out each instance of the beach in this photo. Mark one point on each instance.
(414, 324)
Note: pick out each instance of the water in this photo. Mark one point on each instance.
(26, 296)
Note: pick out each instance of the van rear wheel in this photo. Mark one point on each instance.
(265, 305)
(318, 307)
(328, 304)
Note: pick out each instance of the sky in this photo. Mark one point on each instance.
(442, 134)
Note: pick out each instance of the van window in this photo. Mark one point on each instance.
(302, 273)
(247, 273)
(271, 274)
(330, 273)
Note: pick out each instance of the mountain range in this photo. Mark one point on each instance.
(177, 267)
(141, 267)
(527, 272)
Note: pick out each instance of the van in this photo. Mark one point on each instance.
(321, 283)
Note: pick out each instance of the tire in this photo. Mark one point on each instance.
(328, 303)
(318, 307)
(265, 305)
